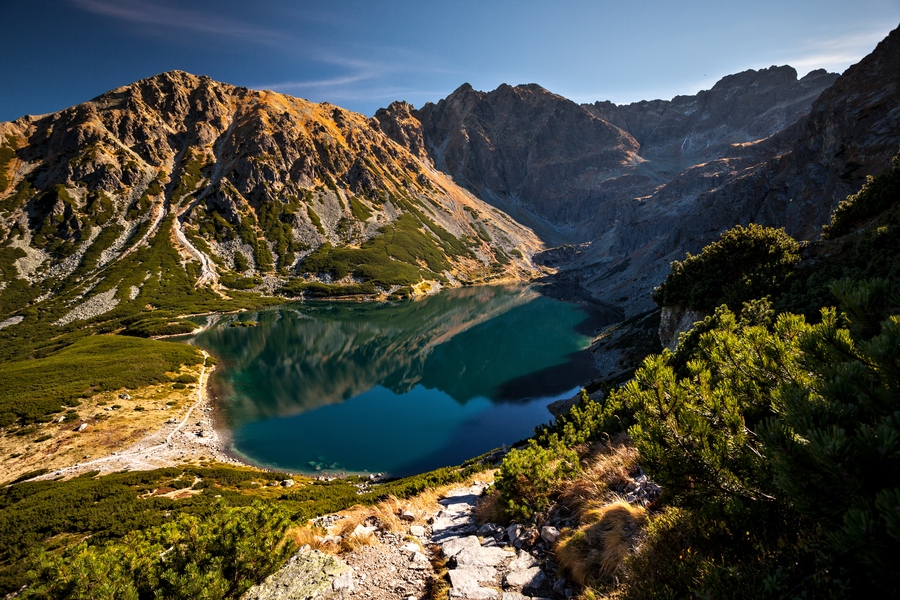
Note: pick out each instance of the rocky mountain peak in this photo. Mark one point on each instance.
(241, 184)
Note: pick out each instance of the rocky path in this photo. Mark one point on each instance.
(488, 562)
(476, 563)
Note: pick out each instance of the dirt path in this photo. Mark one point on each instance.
(192, 438)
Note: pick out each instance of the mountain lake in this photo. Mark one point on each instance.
(395, 387)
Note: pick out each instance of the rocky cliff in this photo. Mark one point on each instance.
(242, 184)
(636, 186)
(536, 154)
(792, 179)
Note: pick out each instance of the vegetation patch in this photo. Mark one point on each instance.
(152, 327)
(360, 210)
(743, 264)
(34, 389)
(7, 154)
(390, 258)
(877, 195)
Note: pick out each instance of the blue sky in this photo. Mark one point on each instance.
(363, 55)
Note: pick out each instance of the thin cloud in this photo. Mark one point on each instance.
(150, 13)
(834, 54)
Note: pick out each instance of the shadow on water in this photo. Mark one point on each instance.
(495, 347)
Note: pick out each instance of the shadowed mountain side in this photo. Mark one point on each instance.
(852, 130)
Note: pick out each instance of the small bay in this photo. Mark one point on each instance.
(398, 387)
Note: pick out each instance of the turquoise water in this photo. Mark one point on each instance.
(399, 387)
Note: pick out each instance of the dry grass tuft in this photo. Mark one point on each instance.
(314, 537)
(594, 553)
(488, 509)
(606, 469)
(437, 585)
(351, 542)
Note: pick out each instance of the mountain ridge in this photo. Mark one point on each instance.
(241, 183)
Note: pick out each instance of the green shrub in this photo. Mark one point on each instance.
(745, 263)
(529, 477)
(877, 195)
(219, 555)
(834, 442)
(696, 434)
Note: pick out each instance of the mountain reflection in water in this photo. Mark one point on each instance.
(330, 385)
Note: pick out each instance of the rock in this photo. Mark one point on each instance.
(362, 530)
(526, 578)
(453, 547)
(286, 482)
(674, 321)
(465, 583)
(308, 574)
(491, 529)
(481, 557)
(550, 534)
(559, 586)
(417, 531)
(124, 397)
(523, 560)
(527, 538)
(512, 532)
(419, 561)
(407, 516)
(81, 427)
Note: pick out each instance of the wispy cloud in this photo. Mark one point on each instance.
(835, 54)
(360, 79)
(153, 13)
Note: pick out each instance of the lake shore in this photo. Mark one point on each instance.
(190, 437)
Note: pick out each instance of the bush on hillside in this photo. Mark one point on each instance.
(745, 263)
(877, 195)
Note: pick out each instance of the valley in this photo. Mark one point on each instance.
(409, 264)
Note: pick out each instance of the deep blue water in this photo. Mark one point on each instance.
(399, 387)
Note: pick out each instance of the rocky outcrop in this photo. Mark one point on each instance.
(675, 320)
(852, 130)
(308, 574)
(526, 148)
(740, 108)
(489, 562)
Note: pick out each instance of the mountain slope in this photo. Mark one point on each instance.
(236, 189)
(540, 156)
(636, 186)
(793, 179)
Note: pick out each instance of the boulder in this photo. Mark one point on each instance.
(308, 574)
(549, 534)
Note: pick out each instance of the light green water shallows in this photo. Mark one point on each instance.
(397, 388)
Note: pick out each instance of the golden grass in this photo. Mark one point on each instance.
(108, 431)
(594, 553)
(489, 509)
(314, 537)
(606, 467)
(385, 515)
